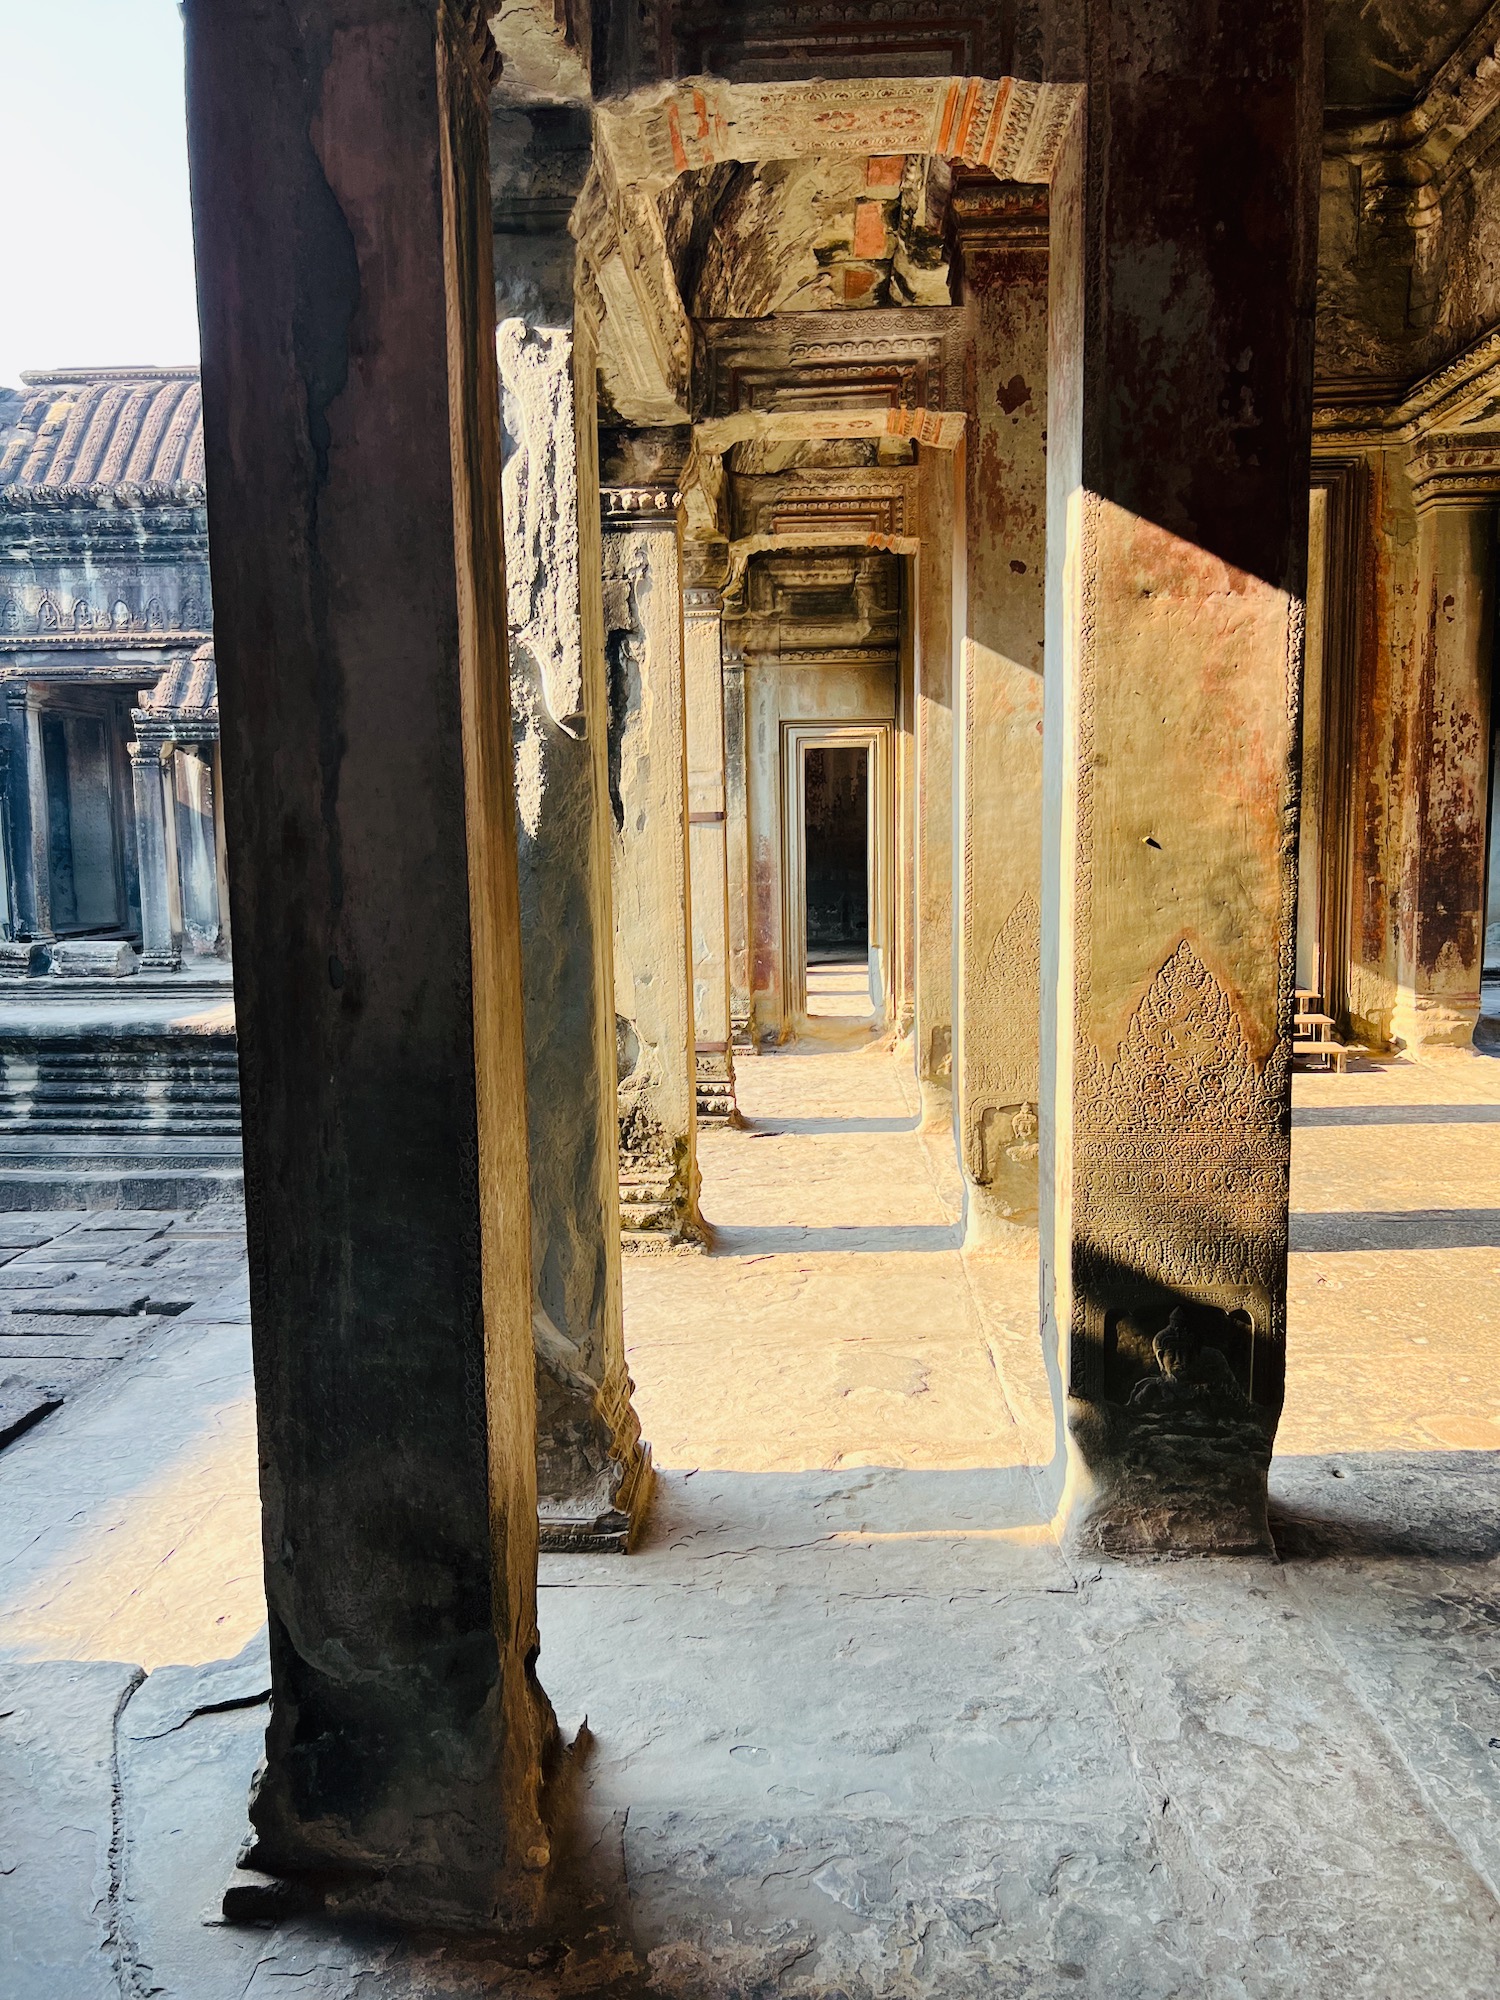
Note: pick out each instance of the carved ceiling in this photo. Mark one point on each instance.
(1381, 53)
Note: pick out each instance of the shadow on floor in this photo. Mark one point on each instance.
(1380, 1506)
(1397, 1229)
(1395, 1114)
(851, 1238)
(834, 1127)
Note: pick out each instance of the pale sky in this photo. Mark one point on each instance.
(96, 252)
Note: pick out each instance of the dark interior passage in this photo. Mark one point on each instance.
(837, 792)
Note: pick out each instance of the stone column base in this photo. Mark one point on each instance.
(655, 1217)
(1419, 1022)
(714, 1086)
(1182, 1480)
(572, 1527)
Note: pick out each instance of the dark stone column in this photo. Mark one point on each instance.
(1183, 225)
(342, 224)
(20, 856)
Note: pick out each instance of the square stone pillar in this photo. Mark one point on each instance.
(737, 847)
(1441, 910)
(654, 1022)
(1001, 237)
(155, 848)
(1183, 222)
(940, 517)
(708, 850)
(593, 1473)
(341, 211)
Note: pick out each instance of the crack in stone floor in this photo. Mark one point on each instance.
(857, 1728)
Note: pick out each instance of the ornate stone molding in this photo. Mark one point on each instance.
(1013, 128)
(628, 290)
(1463, 390)
(1455, 471)
(940, 430)
(656, 504)
(905, 357)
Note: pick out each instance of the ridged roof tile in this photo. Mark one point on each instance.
(92, 427)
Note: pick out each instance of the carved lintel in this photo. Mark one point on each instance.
(1013, 128)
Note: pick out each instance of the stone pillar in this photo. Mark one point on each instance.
(154, 846)
(351, 417)
(1440, 926)
(1001, 234)
(593, 1473)
(20, 856)
(197, 872)
(934, 885)
(708, 854)
(1183, 221)
(653, 944)
(737, 848)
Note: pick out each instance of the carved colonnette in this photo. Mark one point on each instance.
(708, 845)
(654, 1017)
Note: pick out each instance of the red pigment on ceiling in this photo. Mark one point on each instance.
(869, 229)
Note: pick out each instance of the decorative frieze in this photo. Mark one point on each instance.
(1012, 128)
(1455, 470)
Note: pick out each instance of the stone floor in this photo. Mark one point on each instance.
(856, 1727)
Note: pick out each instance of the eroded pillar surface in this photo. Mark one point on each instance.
(342, 226)
(1182, 226)
(708, 852)
(1001, 234)
(654, 1024)
(934, 886)
(593, 1473)
(1441, 904)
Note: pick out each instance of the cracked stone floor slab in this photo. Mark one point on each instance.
(856, 1728)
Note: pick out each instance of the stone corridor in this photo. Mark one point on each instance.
(854, 1724)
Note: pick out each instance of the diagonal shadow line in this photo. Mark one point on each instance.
(1395, 1114)
(869, 1239)
(829, 1127)
(1397, 1229)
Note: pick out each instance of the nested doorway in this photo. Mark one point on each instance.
(837, 830)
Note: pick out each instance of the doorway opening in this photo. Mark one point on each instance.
(837, 876)
(836, 850)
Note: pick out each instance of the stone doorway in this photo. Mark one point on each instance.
(837, 848)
